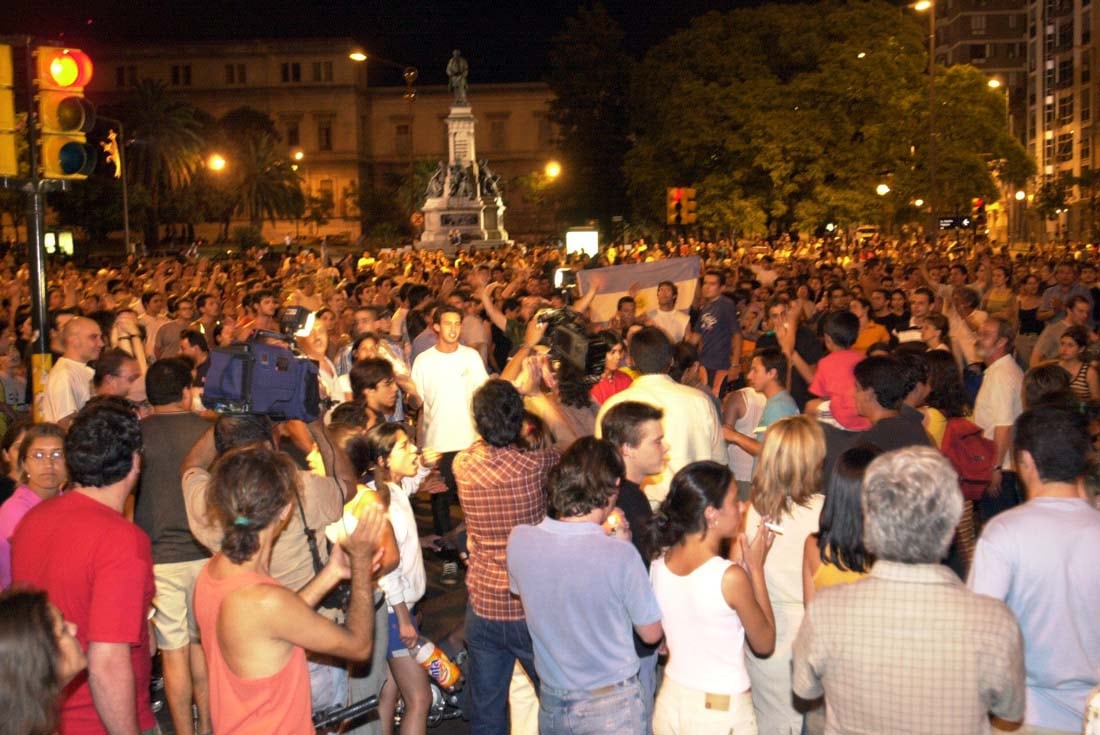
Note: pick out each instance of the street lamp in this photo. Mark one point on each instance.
(929, 6)
(552, 170)
(410, 74)
(216, 163)
(882, 190)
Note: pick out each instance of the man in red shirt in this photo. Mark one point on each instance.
(97, 567)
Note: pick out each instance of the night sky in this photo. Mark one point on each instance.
(503, 41)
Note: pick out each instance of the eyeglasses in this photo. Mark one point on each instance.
(56, 455)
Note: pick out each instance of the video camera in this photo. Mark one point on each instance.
(567, 337)
(261, 376)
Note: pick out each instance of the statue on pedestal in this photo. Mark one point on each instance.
(487, 180)
(457, 71)
(435, 184)
(460, 182)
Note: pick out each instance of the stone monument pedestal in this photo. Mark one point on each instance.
(463, 206)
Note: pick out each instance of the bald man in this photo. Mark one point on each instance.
(69, 384)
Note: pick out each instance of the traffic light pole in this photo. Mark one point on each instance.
(35, 188)
(41, 359)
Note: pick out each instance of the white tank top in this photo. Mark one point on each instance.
(706, 641)
(741, 462)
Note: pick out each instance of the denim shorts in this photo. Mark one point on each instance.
(616, 708)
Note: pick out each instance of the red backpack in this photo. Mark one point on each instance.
(971, 454)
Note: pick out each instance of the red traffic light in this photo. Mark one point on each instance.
(65, 68)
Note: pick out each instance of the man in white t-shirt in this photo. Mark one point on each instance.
(69, 383)
(446, 377)
(996, 409)
(666, 317)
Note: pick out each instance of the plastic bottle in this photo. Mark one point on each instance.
(436, 663)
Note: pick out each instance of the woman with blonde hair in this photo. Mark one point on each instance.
(786, 489)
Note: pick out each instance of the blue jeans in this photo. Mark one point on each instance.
(617, 708)
(494, 647)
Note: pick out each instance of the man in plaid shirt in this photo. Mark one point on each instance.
(500, 486)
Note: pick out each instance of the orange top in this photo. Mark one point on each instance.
(272, 704)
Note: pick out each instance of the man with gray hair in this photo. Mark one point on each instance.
(909, 649)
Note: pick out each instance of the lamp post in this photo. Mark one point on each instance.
(410, 75)
(121, 141)
(929, 6)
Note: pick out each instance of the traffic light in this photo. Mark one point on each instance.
(979, 213)
(64, 115)
(675, 206)
(9, 161)
(689, 206)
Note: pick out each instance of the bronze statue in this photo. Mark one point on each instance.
(457, 71)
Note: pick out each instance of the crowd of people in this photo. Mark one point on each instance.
(850, 488)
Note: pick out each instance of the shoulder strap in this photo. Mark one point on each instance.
(311, 538)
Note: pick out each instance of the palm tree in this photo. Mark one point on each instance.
(268, 187)
(166, 147)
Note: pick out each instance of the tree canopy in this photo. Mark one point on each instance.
(789, 116)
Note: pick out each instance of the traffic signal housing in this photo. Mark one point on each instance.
(9, 160)
(689, 215)
(674, 203)
(64, 115)
(979, 213)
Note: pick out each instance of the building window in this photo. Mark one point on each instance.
(326, 192)
(1048, 149)
(322, 71)
(181, 75)
(1065, 73)
(977, 52)
(977, 24)
(235, 74)
(1048, 113)
(1086, 105)
(402, 139)
(293, 135)
(291, 72)
(1086, 69)
(324, 135)
(546, 133)
(498, 135)
(1084, 148)
(1065, 110)
(1065, 147)
(1065, 36)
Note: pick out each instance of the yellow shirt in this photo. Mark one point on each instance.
(874, 332)
(830, 575)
